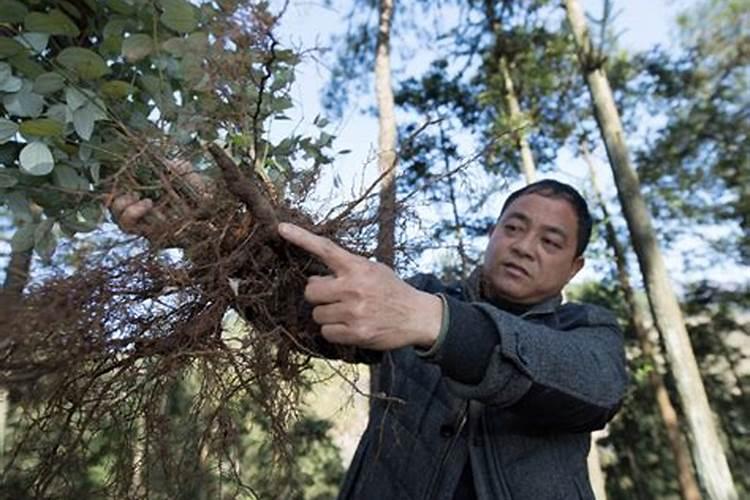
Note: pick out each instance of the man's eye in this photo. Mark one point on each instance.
(511, 228)
(552, 243)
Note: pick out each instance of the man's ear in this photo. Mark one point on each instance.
(578, 263)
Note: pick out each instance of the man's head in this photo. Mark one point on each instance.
(538, 243)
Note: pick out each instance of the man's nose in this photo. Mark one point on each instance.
(523, 247)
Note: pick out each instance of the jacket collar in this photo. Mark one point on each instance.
(474, 287)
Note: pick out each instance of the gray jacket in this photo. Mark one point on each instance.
(516, 395)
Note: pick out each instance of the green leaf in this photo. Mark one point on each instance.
(320, 122)
(8, 82)
(5, 71)
(54, 23)
(19, 207)
(326, 139)
(8, 129)
(36, 159)
(11, 84)
(85, 63)
(9, 47)
(36, 42)
(279, 104)
(85, 151)
(198, 43)
(177, 46)
(179, 15)
(116, 89)
(45, 241)
(84, 120)
(121, 7)
(12, 11)
(95, 169)
(282, 78)
(7, 179)
(67, 177)
(70, 9)
(77, 98)
(23, 238)
(25, 65)
(116, 26)
(136, 47)
(49, 83)
(57, 112)
(111, 47)
(86, 219)
(42, 127)
(24, 103)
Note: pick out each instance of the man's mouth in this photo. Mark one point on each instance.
(515, 269)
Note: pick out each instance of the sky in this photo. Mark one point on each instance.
(641, 24)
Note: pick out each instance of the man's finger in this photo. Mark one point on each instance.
(332, 313)
(184, 169)
(322, 290)
(336, 258)
(134, 212)
(336, 333)
(121, 202)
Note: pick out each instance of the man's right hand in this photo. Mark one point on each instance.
(129, 212)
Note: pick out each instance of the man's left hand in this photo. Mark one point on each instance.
(364, 303)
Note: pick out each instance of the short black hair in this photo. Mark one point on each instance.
(550, 188)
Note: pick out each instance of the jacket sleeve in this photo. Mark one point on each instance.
(571, 377)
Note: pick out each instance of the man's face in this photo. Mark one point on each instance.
(531, 253)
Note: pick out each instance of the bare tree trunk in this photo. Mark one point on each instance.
(711, 463)
(138, 484)
(688, 485)
(596, 474)
(385, 251)
(16, 278)
(528, 167)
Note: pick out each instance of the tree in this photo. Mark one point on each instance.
(387, 158)
(703, 146)
(688, 485)
(710, 460)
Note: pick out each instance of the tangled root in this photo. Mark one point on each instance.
(99, 351)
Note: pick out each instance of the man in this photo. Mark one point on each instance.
(490, 388)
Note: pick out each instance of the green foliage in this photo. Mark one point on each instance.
(637, 457)
(96, 95)
(697, 167)
(85, 87)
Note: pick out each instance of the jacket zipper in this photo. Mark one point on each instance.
(448, 449)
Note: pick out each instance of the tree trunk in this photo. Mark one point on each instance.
(596, 474)
(528, 167)
(16, 278)
(688, 485)
(711, 463)
(513, 108)
(385, 251)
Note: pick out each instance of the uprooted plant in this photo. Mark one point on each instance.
(100, 98)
